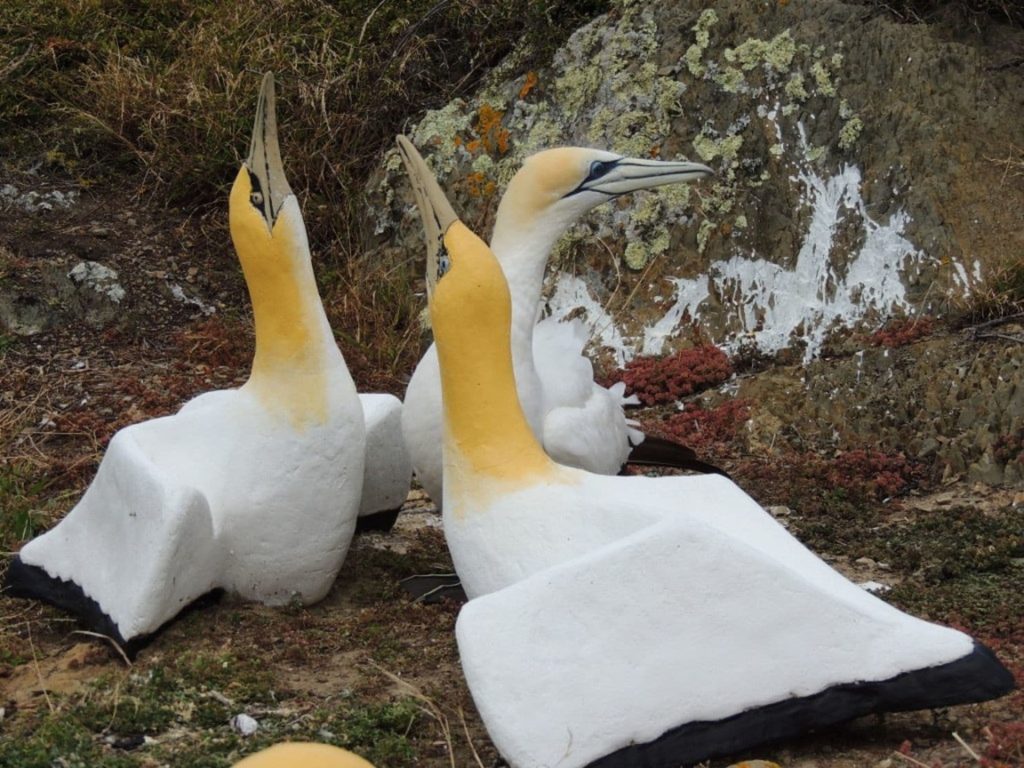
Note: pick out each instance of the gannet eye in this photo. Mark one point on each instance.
(599, 168)
(443, 263)
(256, 198)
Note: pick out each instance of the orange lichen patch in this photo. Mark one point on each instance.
(491, 137)
(478, 185)
(529, 84)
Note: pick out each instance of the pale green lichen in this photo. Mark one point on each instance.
(648, 235)
(789, 109)
(781, 51)
(709, 148)
(392, 161)
(775, 150)
(483, 164)
(438, 129)
(720, 199)
(704, 234)
(850, 132)
(740, 222)
(702, 33)
(730, 79)
(845, 111)
(796, 88)
(577, 87)
(692, 59)
(639, 253)
(702, 29)
(777, 53)
(567, 247)
(814, 154)
(823, 79)
(675, 198)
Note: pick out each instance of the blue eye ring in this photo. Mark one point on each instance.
(443, 263)
(599, 168)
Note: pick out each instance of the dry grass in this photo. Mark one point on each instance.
(975, 12)
(165, 92)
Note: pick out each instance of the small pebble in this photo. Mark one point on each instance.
(244, 724)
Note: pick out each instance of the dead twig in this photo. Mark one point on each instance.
(996, 321)
(1003, 336)
(910, 760)
(109, 639)
(469, 739)
(35, 665)
(974, 755)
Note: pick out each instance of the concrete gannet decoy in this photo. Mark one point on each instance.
(628, 621)
(298, 754)
(579, 422)
(254, 490)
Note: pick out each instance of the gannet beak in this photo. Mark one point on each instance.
(435, 210)
(266, 171)
(628, 174)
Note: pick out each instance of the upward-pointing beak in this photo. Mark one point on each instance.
(266, 171)
(630, 174)
(435, 210)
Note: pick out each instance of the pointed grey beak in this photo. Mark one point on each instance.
(628, 174)
(266, 171)
(435, 210)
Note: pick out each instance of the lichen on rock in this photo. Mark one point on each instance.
(777, 100)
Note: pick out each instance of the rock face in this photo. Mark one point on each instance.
(946, 400)
(857, 160)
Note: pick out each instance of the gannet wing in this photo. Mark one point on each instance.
(680, 643)
(136, 549)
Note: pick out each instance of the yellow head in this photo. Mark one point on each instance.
(471, 311)
(303, 755)
(557, 186)
(292, 337)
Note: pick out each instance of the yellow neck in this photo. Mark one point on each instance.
(486, 432)
(293, 346)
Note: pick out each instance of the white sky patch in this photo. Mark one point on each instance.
(571, 296)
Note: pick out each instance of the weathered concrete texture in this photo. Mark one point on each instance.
(857, 160)
(946, 400)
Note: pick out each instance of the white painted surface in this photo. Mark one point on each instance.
(255, 490)
(770, 307)
(578, 422)
(679, 622)
(655, 602)
(570, 298)
(387, 473)
(773, 302)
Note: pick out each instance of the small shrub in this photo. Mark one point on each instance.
(883, 475)
(706, 430)
(667, 379)
(899, 333)
(1005, 745)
